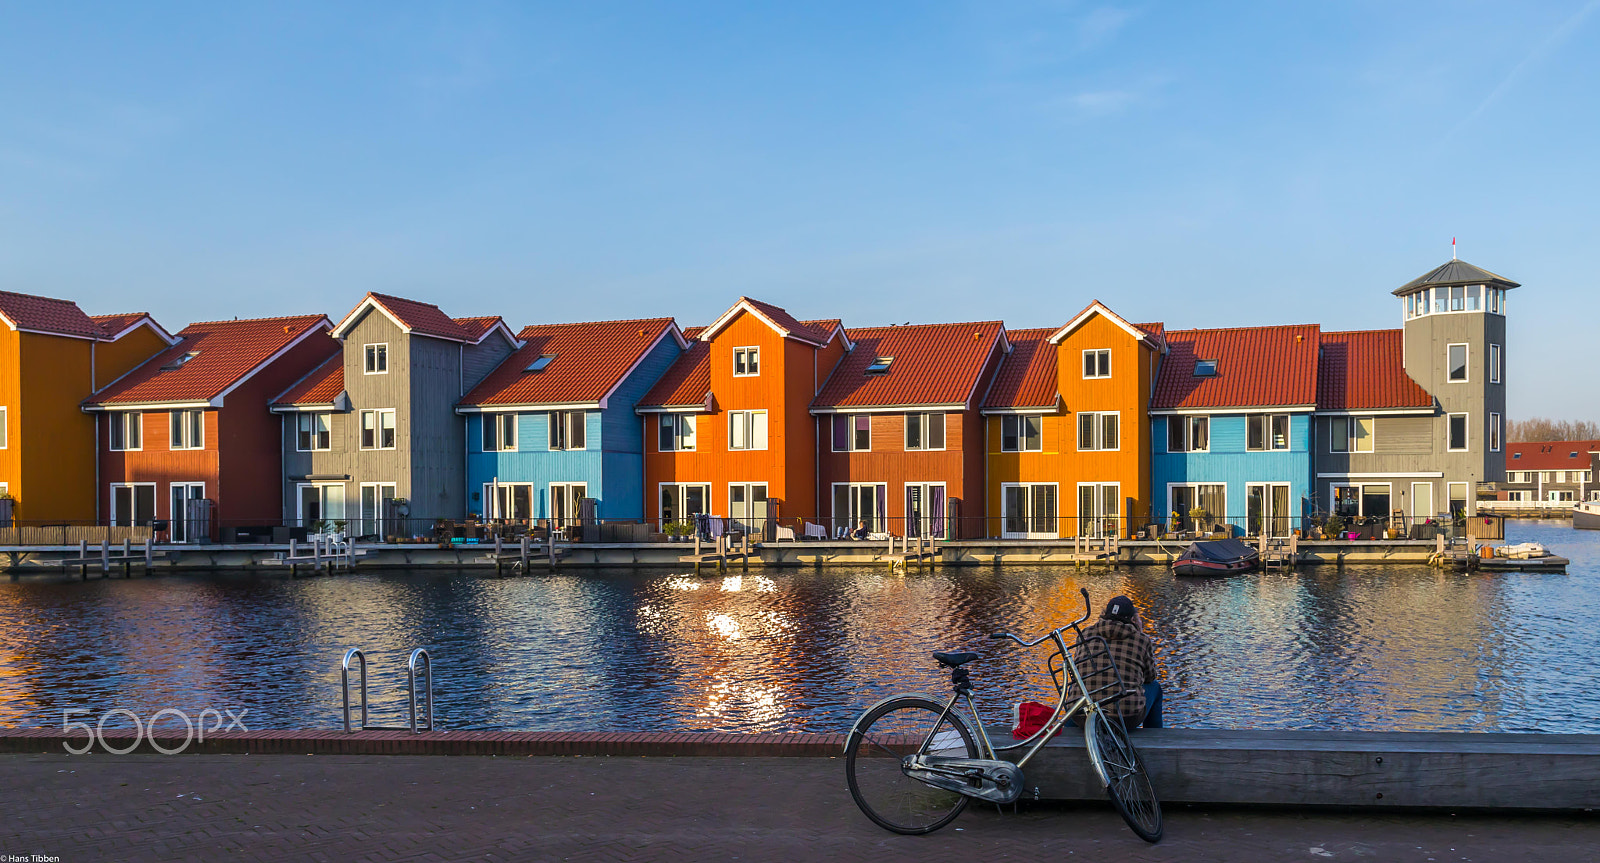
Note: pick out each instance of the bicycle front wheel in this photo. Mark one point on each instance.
(873, 758)
(1121, 768)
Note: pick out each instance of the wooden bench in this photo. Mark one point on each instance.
(1338, 768)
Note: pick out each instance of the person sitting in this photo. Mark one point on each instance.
(861, 530)
(1134, 654)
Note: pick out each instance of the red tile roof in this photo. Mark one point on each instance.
(1156, 331)
(320, 387)
(225, 352)
(1027, 376)
(476, 328)
(816, 332)
(693, 332)
(1366, 370)
(114, 326)
(47, 315)
(686, 381)
(590, 360)
(421, 318)
(1256, 367)
(1550, 455)
(934, 364)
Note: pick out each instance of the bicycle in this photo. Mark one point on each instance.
(913, 764)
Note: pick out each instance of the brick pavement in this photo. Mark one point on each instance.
(383, 808)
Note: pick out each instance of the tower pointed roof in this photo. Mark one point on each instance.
(1454, 272)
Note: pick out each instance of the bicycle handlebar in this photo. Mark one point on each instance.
(1087, 610)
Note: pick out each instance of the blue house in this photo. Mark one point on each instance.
(554, 424)
(1231, 417)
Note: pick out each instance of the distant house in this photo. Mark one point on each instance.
(1068, 445)
(555, 423)
(187, 435)
(1551, 471)
(1231, 428)
(372, 438)
(733, 437)
(52, 357)
(901, 448)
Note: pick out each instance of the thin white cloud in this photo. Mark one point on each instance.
(1550, 43)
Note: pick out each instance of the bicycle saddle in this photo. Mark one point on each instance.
(955, 660)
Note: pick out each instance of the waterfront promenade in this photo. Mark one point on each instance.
(237, 807)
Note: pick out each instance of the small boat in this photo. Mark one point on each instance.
(1586, 515)
(1217, 557)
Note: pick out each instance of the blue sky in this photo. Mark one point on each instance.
(1201, 164)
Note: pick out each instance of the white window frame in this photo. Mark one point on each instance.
(1466, 432)
(5, 429)
(373, 356)
(1275, 519)
(322, 502)
(188, 436)
(680, 429)
(310, 418)
(924, 524)
(558, 430)
(491, 502)
(1188, 421)
(378, 415)
(1097, 441)
(750, 356)
(1267, 421)
(924, 422)
(850, 432)
(1351, 424)
(566, 491)
(1097, 353)
(747, 520)
(1097, 526)
(1021, 421)
(1466, 363)
(125, 421)
(849, 519)
(750, 427)
(1494, 432)
(1494, 363)
(113, 516)
(1216, 517)
(373, 524)
(492, 435)
(1005, 515)
(1466, 496)
(683, 497)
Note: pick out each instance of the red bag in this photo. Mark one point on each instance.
(1028, 717)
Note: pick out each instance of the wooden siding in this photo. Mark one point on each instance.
(434, 433)
(890, 463)
(159, 464)
(478, 360)
(54, 439)
(1229, 463)
(1126, 392)
(250, 490)
(791, 374)
(112, 360)
(11, 399)
(374, 392)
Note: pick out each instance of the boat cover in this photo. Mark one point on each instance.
(1220, 550)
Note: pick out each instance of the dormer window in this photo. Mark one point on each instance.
(375, 359)
(179, 361)
(746, 362)
(1205, 368)
(1097, 363)
(539, 364)
(880, 366)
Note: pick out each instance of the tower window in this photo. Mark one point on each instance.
(1456, 363)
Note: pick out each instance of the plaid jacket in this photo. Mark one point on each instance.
(1135, 656)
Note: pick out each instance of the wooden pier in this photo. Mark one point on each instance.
(130, 556)
(912, 549)
(1095, 549)
(526, 554)
(723, 552)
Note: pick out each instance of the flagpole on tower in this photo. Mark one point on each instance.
(1452, 248)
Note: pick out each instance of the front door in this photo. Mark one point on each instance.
(1267, 509)
(564, 497)
(188, 523)
(1029, 511)
(1422, 501)
(1099, 508)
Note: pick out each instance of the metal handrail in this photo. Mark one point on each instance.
(344, 679)
(411, 671)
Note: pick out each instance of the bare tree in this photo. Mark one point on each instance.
(1538, 429)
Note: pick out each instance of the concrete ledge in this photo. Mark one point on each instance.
(1275, 768)
(1344, 769)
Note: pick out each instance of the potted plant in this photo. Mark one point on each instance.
(676, 530)
(1198, 516)
(1335, 526)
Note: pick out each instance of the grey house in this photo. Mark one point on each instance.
(371, 438)
(1410, 421)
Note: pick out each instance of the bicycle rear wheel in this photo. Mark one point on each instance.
(1121, 768)
(873, 757)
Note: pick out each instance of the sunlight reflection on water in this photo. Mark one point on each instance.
(1357, 648)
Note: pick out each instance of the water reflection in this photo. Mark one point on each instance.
(1357, 648)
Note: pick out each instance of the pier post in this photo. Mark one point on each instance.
(105, 558)
(83, 559)
(524, 554)
(148, 554)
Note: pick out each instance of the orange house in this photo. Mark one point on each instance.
(52, 356)
(1068, 429)
(902, 444)
(727, 430)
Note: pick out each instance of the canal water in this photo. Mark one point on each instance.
(1368, 648)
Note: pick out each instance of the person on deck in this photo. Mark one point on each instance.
(861, 530)
(1134, 654)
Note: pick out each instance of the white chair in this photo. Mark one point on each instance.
(815, 530)
(786, 533)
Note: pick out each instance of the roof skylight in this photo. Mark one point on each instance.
(178, 361)
(880, 366)
(1205, 368)
(539, 364)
